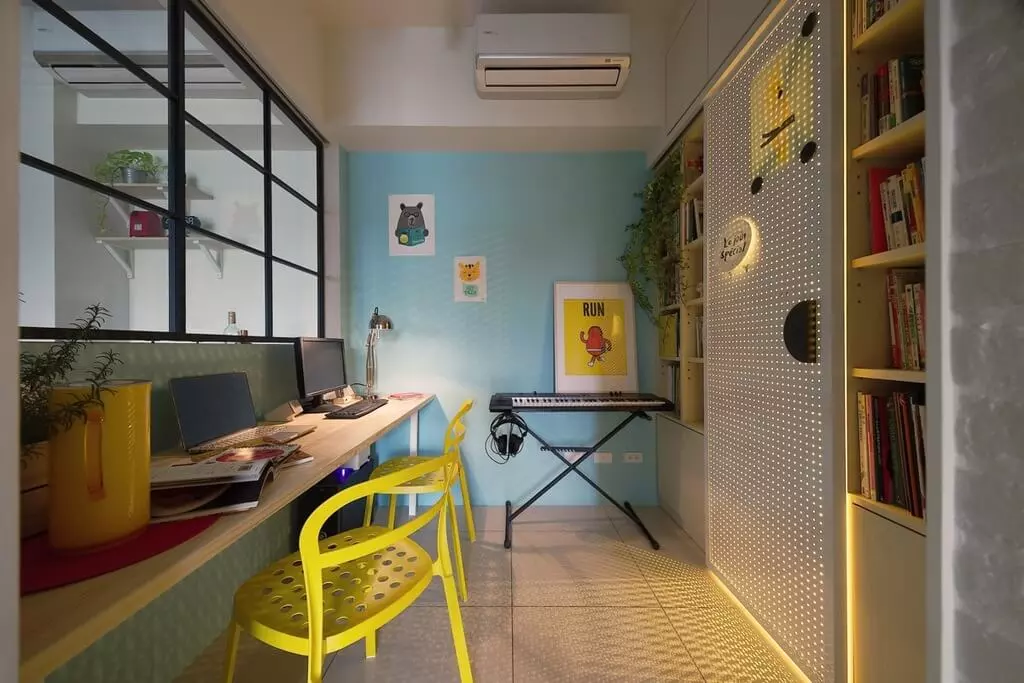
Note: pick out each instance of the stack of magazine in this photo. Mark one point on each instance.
(228, 481)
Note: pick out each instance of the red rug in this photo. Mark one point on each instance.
(43, 568)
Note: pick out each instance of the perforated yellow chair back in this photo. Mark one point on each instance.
(342, 589)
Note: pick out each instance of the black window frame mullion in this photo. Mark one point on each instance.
(321, 304)
(66, 18)
(268, 218)
(89, 183)
(177, 283)
(224, 142)
(295, 193)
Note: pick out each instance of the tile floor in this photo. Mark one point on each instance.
(580, 597)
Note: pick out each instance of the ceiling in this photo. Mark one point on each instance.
(379, 13)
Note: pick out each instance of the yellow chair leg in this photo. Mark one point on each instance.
(392, 505)
(232, 653)
(458, 633)
(371, 645)
(457, 543)
(466, 507)
(368, 515)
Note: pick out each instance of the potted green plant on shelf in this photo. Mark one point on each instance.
(128, 167)
(653, 249)
(39, 374)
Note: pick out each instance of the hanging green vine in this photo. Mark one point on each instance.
(652, 252)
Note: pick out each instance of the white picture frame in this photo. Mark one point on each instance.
(595, 337)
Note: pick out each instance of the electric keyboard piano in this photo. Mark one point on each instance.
(610, 402)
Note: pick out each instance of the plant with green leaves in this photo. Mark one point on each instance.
(111, 170)
(41, 372)
(652, 252)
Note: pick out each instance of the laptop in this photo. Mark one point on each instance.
(216, 411)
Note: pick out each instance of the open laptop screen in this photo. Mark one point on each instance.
(212, 406)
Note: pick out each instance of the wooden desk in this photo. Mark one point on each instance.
(58, 624)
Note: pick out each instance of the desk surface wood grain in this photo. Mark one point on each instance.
(58, 624)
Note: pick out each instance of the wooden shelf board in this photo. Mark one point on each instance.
(914, 255)
(905, 139)
(694, 359)
(892, 513)
(695, 302)
(58, 624)
(695, 426)
(158, 190)
(671, 308)
(890, 375)
(695, 189)
(671, 417)
(695, 244)
(900, 29)
(669, 359)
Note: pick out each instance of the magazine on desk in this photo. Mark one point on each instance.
(229, 481)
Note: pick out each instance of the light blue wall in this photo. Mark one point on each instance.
(537, 218)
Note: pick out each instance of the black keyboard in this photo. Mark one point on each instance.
(358, 409)
(559, 403)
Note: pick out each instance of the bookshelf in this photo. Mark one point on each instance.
(691, 279)
(886, 542)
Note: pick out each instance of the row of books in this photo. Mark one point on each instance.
(891, 434)
(867, 12)
(896, 205)
(907, 317)
(891, 94)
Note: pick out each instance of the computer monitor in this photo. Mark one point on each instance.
(320, 369)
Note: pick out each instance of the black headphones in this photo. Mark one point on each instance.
(502, 446)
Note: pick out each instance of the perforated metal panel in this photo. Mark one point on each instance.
(768, 534)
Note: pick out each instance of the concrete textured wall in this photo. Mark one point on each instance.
(984, 50)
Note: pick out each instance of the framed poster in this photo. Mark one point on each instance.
(595, 337)
(411, 227)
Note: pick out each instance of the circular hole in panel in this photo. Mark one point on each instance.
(360, 607)
(387, 563)
(382, 579)
(276, 599)
(395, 584)
(332, 546)
(413, 558)
(266, 590)
(286, 608)
(341, 620)
(401, 553)
(399, 568)
(349, 599)
(378, 596)
(297, 563)
(336, 592)
(278, 572)
(345, 575)
(297, 616)
(391, 548)
(327, 584)
(287, 580)
(297, 589)
(409, 575)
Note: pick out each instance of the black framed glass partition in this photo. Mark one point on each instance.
(163, 176)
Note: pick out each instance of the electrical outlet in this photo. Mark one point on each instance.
(633, 457)
(603, 457)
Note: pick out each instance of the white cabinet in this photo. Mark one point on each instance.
(686, 63)
(887, 572)
(728, 22)
(681, 477)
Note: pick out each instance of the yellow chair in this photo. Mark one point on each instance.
(431, 483)
(344, 588)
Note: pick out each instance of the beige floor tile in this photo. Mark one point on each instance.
(577, 569)
(417, 646)
(488, 569)
(562, 518)
(590, 644)
(256, 663)
(726, 647)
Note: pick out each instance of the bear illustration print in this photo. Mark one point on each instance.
(411, 225)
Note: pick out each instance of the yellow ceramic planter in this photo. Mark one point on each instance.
(99, 469)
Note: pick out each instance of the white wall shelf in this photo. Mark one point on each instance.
(122, 249)
(149, 192)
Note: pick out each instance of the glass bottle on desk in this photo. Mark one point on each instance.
(232, 328)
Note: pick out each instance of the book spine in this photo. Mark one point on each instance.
(882, 481)
(886, 453)
(895, 461)
(907, 349)
(894, 338)
(908, 207)
(883, 192)
(865, 108)
(912, 76)
(870, 438)
(909, 454)
(922, 421)
(922, 338)
(899, 224)
(911, 316)
(895, 103)
(883, 99)
(862, 429)
(917, 196)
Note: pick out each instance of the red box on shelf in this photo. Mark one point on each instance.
(145, 224)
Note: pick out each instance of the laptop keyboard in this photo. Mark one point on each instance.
(241, 437)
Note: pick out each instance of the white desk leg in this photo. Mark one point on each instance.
(414, 444)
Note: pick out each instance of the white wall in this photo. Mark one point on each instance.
(10, 64)
(236, 211)
(36, 197)
(413, 86)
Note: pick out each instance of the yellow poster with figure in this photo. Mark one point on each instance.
(595, 336)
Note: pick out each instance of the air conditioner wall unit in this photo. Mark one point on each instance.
(552, 56)
(97, 73)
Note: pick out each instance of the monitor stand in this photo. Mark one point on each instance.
(320, 406)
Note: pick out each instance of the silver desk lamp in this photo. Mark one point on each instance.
(378, 323)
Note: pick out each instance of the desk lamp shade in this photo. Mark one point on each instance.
(378, 324)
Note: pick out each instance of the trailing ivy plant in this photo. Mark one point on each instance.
(41, 372)
(653, 250)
